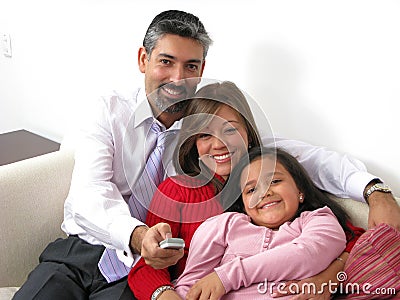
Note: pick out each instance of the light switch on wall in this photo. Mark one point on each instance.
(6, 44)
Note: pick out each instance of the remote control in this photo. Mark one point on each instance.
(172, 243)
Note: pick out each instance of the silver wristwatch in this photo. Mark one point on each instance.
(160, 290)
(380, 186)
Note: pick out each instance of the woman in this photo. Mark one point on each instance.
(219, 129)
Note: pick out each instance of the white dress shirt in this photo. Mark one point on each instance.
(112, 154)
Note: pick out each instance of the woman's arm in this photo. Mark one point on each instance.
(144, 279)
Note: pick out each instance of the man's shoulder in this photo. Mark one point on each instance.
(117, 98)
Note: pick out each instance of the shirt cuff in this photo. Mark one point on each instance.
(121, 231)
(356, 184)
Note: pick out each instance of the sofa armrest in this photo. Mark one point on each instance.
(32, 194)
(357, 211)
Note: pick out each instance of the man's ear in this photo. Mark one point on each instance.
(142, 59)
(202, 68)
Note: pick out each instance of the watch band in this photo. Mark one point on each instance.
(380, 186)
(160, 290)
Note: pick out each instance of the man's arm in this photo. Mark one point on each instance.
(383, 208)
(336, 173)
(95, 208)
(343, 176)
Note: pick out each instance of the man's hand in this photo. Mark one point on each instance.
(383, 208)
(150, 250)
(209, 287)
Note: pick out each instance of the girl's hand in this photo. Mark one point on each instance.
(209, 287)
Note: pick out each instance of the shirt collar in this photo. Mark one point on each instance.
(144, 112)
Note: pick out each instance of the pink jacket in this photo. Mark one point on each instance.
(255, 259)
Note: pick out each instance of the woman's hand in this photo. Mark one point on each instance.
(318, 287)
(209, 287)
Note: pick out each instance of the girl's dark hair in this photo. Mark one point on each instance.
(313, 197)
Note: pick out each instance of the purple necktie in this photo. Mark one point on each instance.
(110, 266)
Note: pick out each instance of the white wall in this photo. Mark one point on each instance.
(326, 72)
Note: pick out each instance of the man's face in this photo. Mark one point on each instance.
(168, 70)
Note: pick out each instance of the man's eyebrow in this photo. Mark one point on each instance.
(174, 58)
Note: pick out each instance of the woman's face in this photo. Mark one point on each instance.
(223, 141)
(270, 195)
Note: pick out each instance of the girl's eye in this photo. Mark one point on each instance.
(250, 190)
(275, 181)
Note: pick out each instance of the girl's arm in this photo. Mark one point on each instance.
(329, 275)
(206, 251)
(321, 241)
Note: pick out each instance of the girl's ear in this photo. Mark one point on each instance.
(301, 197)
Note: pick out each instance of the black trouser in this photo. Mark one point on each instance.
(68, 270)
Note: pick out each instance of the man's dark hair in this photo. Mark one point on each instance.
(176, 22)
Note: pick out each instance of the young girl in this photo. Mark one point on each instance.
(281, 220)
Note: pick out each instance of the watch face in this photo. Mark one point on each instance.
(382, 187)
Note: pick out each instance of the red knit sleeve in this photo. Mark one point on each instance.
(143, 279)
(351, 240)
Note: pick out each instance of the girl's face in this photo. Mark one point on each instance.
(223, 141)
(277, 203)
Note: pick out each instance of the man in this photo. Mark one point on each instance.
(113, 156)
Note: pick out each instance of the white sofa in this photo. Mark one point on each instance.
(32, 194)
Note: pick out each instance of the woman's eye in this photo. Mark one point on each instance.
(204, 136)
(230, 130)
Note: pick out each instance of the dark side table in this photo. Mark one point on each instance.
(22, 144)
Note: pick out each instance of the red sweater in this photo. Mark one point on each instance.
(184, 208)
